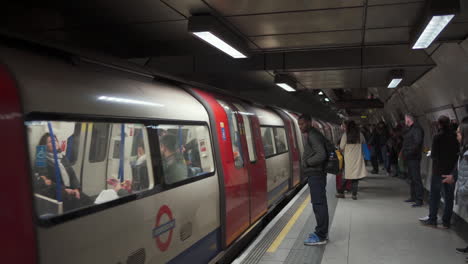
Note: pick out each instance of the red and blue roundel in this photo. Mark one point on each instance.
(162, 228)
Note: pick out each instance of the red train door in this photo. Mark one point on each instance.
(15, 198)
(293, 150)
(236, 202)
(255, 161)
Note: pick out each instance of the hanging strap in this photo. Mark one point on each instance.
(122, 148)
(58, 177)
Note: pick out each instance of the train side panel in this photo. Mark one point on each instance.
(166, 220)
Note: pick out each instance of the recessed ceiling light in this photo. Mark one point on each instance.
(286, 82)
(212, 31)
(432, 30)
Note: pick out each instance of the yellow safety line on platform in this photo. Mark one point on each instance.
(274, 246)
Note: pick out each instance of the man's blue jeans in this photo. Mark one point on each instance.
(318, 195)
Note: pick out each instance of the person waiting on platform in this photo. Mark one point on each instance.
(173, 162)
(46, 179)
(313, 163)
(444, 157)
(355, 168)
(460, 174)
(412, 152)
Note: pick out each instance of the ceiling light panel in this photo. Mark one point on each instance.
(394, 82)
(286, 87)
(219, 44)
(432, 30)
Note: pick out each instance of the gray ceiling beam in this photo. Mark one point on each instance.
(308, 60)
(360, 104)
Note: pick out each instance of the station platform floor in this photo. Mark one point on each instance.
(377, 228)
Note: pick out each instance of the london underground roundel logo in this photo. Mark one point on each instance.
(162, 227)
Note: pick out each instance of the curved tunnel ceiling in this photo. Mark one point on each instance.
(341, 47)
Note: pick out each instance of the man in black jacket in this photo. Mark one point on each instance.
(444, 158)
(412, 152)
(313, 163)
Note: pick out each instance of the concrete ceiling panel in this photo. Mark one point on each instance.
(299, 22)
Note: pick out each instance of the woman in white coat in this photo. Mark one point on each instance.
(355, 168)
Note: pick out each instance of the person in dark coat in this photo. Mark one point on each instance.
(313, 163)
(412, 152)
(45, 182)
(374, 143)
(174, 167)
(444, 157)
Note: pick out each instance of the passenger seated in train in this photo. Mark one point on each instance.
(140, 179)
(174, 166)
(45, 178)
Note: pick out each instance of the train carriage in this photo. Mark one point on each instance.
(112, 166)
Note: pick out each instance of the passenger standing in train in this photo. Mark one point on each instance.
(355, 168)
(174, 167)
(140, 170)
(460, 174)
(46, 181)
(314, 162)
(413, 140)
(444, 157)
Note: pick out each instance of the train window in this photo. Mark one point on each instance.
(235, 135)
(60, 187)
(268, 141)
(185, 151)
(280, 139)
(99, 140)
(248, 132)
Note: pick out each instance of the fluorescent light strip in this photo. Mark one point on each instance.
(219, 44)
(320, 93)
(432, 30)
(127, 101)
(395, 82)
(327, 100)
(286, 87)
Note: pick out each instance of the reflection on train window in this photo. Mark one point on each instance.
(99, 139)
(185, 151)
(280, 140)
(268, 141)
(234, 133)
(248, 132)
(105, 167)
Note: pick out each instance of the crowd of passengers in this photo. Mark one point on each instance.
(178, 163)
(399, 150)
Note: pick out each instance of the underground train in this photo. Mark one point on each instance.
(102, 167)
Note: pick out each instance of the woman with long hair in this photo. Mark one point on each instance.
(355, 168)
(460, 174)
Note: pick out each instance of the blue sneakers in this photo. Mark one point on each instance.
(314, 240)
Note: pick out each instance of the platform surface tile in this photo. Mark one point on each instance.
(300, 221)
(378, 228)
